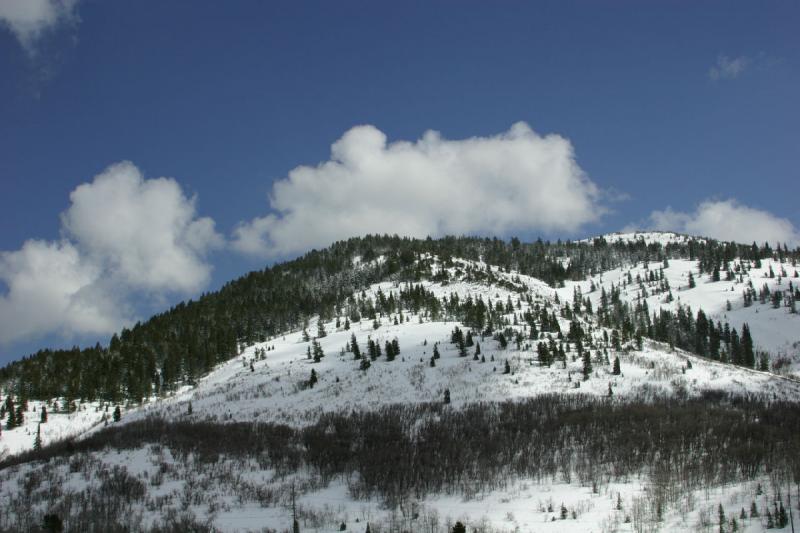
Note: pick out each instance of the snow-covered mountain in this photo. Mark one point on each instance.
(271, 382)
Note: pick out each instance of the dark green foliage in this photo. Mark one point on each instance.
(587, 365)
(117, 414)
(52, 524)
(459, 528)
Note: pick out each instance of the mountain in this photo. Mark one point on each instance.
(626, 382)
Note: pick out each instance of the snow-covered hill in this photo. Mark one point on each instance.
(270, 382)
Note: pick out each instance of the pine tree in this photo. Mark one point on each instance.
(507, 369)
(436, 351)
(117, 414)
(37, 442)
(447, 396)
(354, 347)
(691, 281)
(43, 417)
(321, 329)
(587, 365)
(313, 379)
(459, 528)
(11, 423)
(749, 358)
(616, 371)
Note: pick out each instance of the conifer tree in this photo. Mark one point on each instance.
(37, 442)
(748, 355)
(447, 396)
(587, 365)
(616, 371)
(11, 423)
(43, 417)
(313, 379)
(354, 347)
(117, 414)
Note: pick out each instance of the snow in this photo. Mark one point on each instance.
(274, 391)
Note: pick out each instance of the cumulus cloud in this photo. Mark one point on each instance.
(29, 20)
(123, 234)
(728, 220)
(515, 181)
(727, 68)
(144, 231)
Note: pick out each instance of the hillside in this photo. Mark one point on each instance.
(598, 326)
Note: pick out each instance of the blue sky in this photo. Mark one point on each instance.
(675, 115)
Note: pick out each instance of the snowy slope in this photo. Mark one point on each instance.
(273, 389)
(774, 330)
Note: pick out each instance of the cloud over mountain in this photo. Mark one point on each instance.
(514, 181)
(728, 220)
(121, 234)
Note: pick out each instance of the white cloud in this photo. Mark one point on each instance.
(144, 231)
(122, 234)
(727, 68)
(514, 181)
(728, 220)
(28, 20)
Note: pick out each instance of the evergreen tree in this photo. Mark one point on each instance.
(616, 371)
(313, 379)
(117, 414)
(11, 423)
(748, 355)
(43, 417)
(321, 329)
(436, 351)
(507, 369)
(691, 281)
(447, 396)
(587, 365)
(389, 351)
(20, 416)
(354, 347)
(459, 528)
(51, 523)
(37, 442)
